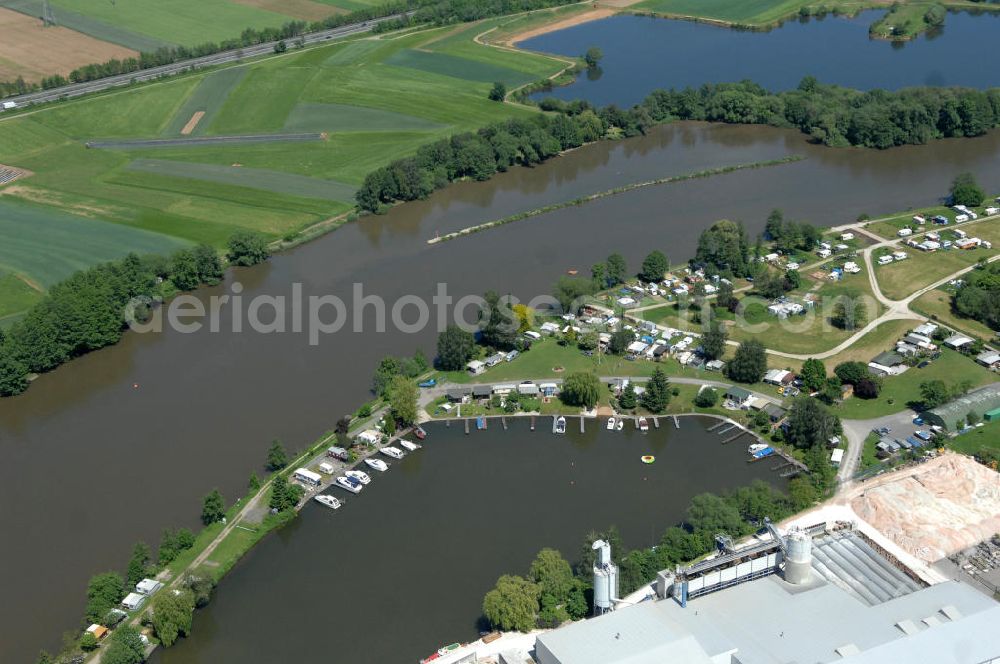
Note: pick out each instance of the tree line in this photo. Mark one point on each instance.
(439, 12)
(88, 310)
(553, 591)
(830, 114)
(477, 155)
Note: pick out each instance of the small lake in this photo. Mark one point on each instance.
(402, 568)
(643, 53)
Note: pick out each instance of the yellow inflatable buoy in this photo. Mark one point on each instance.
(648, 458)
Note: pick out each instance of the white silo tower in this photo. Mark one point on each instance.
(798, 556)
(605, 578)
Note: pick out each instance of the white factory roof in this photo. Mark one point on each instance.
(861, 607)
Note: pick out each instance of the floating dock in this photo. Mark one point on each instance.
(716, 426)
(677, 423)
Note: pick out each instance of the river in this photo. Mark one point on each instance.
(119, 444)
(644, 53)
(403, 567)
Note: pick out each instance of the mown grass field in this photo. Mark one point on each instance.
(15, 296)
(898, 391)
(937, 304)
(376, 100)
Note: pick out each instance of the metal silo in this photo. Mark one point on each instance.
(605, 578)
(798, 556)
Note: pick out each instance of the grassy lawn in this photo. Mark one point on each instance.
(984, 437)
(809, 333)
(936, 304)
(15, 296)
(881, 338)
(868, 458)
(901, 278)
(758, 13)
(898, 391)
(903, 21)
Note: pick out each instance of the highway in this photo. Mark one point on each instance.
(223, 57)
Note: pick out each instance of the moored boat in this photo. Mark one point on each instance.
(348, 484)
(359, 475)
(611, 424)
(408, 446)
(757, 447)
(643, 424)
(419, 433)
(392, 452)
(620, 425)
(329, 501)
(377, 464)
(560, 424)
(760, 454)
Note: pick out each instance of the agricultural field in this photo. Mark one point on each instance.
(45, 246)
(32, 51)
(372, 99)
(16, 296)
(756, 13)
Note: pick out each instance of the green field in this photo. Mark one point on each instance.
(15, 296)
(47, 246)
(751, 12)
(186, 22)
(209, 96)
(898, 391)
(308, 117)
(252, 178)
(376, 99)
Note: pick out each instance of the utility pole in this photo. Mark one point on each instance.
(48, 18)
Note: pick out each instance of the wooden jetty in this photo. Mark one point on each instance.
(503, 421)
(656, 423)
(734, 437)
(716, 426)
(727, 429)
(677, 423)
(466, 427)
(532, 422)
(581, 424)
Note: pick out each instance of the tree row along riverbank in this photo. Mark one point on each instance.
(582, 200)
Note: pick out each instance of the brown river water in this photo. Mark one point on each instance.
(119, 444)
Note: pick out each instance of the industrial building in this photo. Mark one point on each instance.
(809, 596)
(984, 402)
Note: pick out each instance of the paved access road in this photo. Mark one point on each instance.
(223, 57)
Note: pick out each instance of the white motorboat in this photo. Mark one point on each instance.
(349, 484)
(611, 424)
(408, 446)
(757, 447)
(377, 464)
(643, 424)
(359, 475)
(560, 424)
(620, 425)
(329, 501)
(392, 452)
